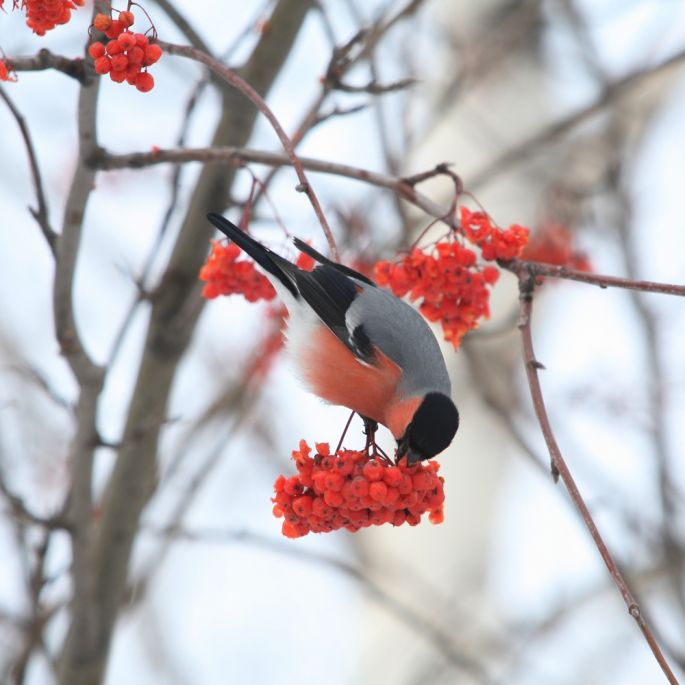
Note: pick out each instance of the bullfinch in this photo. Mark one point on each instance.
(361, 347)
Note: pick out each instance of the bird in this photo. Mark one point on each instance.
(359, 346)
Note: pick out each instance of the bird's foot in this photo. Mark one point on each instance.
(372, 449)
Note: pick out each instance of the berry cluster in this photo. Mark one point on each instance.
(452, 288)
(352, 490)
(225, 274)
(44, 15)
(493, 242)
(127, 55)
(553, 244)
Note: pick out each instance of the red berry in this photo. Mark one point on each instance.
(115, 29)
(131, 74)
(103, 65)
(96, 50)
(114, 47)
(126, 19)
(136, 55)
(141, 39)
(127, 41)
(152, 54)
(117, 76)
(102, 22)
(119, 62)
(145, 83)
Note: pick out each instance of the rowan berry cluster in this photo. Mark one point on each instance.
(353, 490)
(44, 15)
(452, 287)
(493, 242)
(127, 55)
(225, 274)
(554, 244)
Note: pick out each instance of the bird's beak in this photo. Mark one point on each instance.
(413, 457)
(404, 450)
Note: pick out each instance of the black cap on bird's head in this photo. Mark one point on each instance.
(431, 430)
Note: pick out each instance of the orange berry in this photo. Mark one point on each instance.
(333, 499)
(373, 471)
(114, 47)
(436, 516)
(378, 490)
(333, 481)
(103, 65)
(392, 475)
(126, 18)
(96, 50)
(152, 54)
(302, 506)
(131, 74)
(120, 63)
(145, 83)
(126, 40)
(115, 29)
(141, 39)
(102, 22)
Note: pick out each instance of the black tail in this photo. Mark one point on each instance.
(281, 268)
(308, 249)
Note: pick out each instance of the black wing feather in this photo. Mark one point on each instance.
(328, 289)
(329, 292)
(314, 254)
(274, 264)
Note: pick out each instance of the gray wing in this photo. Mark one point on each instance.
(401, 333)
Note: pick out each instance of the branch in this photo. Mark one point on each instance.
(246, 89)
(522, 268)
(237, 156)
(40, 214)
(176, 306)
(80, 650)
(44, 59)
(526, 287)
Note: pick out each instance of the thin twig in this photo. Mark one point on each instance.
(41, 213)
(522, 268)
(44, 59)
(526, 287)
(237, 82)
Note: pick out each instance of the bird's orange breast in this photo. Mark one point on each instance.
(336, 375)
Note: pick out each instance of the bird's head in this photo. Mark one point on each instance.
(431, 429)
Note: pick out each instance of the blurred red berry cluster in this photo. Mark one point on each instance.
(127, 55)
(225, 274)
(554, 244)
(494, 243)
(353, 490)
(44, 15)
